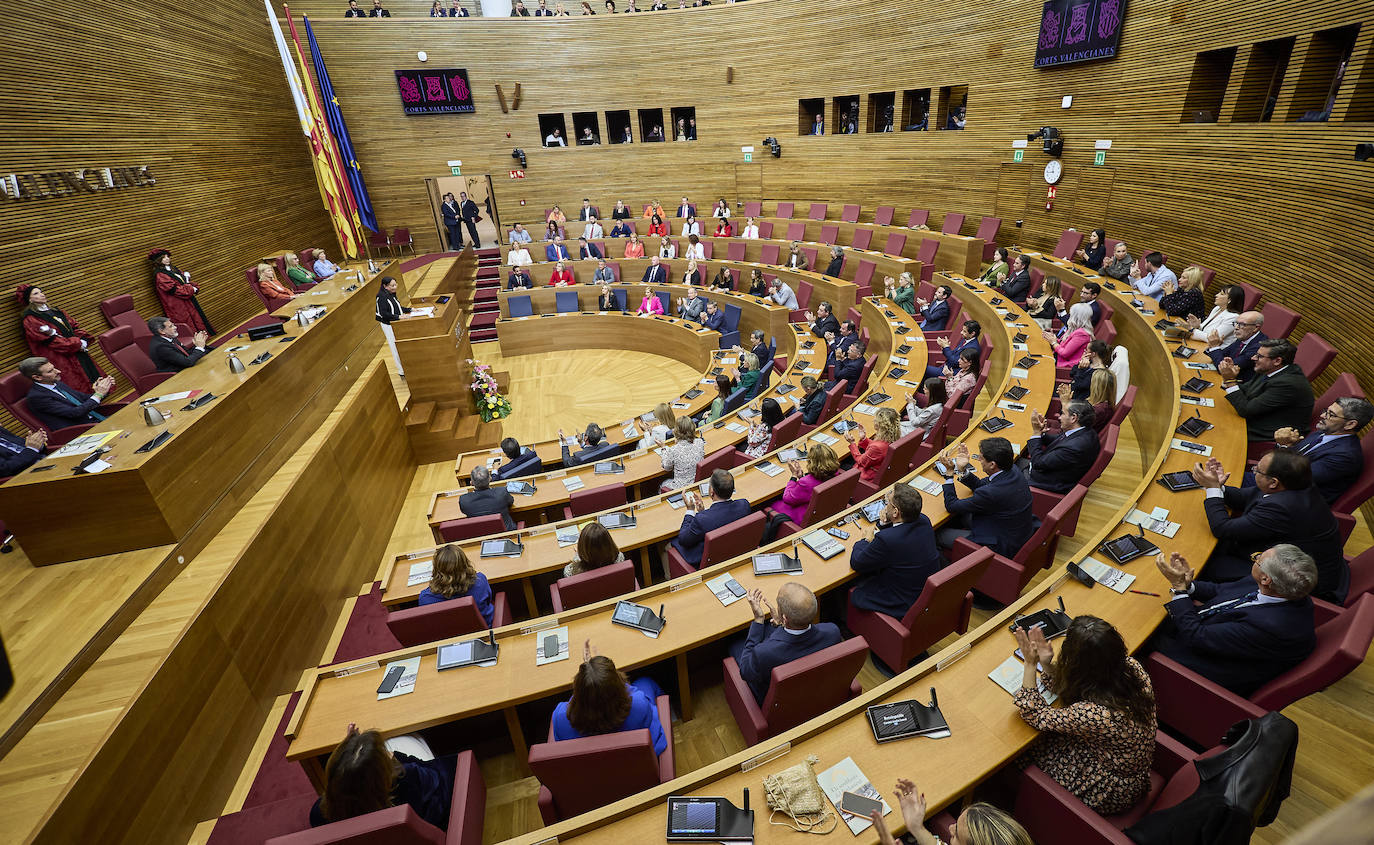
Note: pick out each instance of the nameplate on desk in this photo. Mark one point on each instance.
(1198, 365)
(925, 485)
(1190, 447)
(1198, 400)
(355, 670)
(690, 581)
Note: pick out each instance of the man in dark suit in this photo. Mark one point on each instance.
(586, 249)
(1018, 284)
(822, 321)
(543, 11)
(1243, 634)
(483, 500)
(1059, 460)
(701, 517)
(1333, 447)
(838, 344)
(1277, 396)
(471, 214)
(849, 368)
(167, 353)
(519, 10)
(591, 447)
(518, 461)
(760, 349)
(794, 634)
(968, 339)
(453, 221)
(1088, 295)
(354, 11)
(813, 400)
(19, 453)
(713, 318)
(557, 251)
(1283, 506)
(588, 211)
(998, 514)
(378, 11)
(654, 273)
(1242, 350)
(519, 278)
(898, 559)
(55, 404)
(686, 209)
(935, 314)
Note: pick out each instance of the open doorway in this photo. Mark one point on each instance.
(478, 189)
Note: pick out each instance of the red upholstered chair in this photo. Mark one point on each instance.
(1252, 296)
(131, 358)
(1314, 355)
(1045, 501)
(1363, 487)
(720, 459)
(804, 289)
(1279, 321)
(827, 500)
(1198, 708)
(942, 608)
(595, 585)
(401, 826)
(863, 274)
(707, 247)
(926, 255)
(817, 211)
(730, 540)
(811, 252)
(401, 241)
(456, 530)
(596, 499)
(833, 396)
(988, 228)
(894, 466)
(882, 215)
(1361, 575)
(251, 274)
(1106, 332)
(735, 251)
(624, 764)
(768, 254)
(862, 238)
(796, 231)
(1068, 244)
(797, 691)
(896, 242)
(1345, 385)
(1124, 406)
(850, 214)
(378, 241)
(830, 234)
(954, 221)
(784, 210)
(1007, 577)
(765, 229)
(119, 311)
(753, 209)
(918, 217)
(442, 620)
(1208, 274)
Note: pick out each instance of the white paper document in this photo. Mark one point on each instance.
(844, 777)
(1108, 576)
(1008, 676)
(420, 573)
(407, 682)
(721, 592)
(563, 653)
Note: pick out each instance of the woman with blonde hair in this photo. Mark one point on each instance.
(634, 247)
(869, 453)
(363, 776)
(454, 578)
(556, 214)
(654, 209)
(1184, 299)
(821, 465)
(1042, 308)
(664, 424)
(595, 548)
(666, 248)
(902, 291)
(682, 457)
(978, 824)
(272, 290)
(518, 256)
(437, 10)
(297, 274)
(650, 304)
(748, 375)
(691, 276)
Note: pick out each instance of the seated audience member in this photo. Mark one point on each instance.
(519, 10)
(695, 250)
(836, 262)
(1097, 356)
(794, 634)
(1283, 506)
(686, 209)
(518, 235)
(595, 548)
(557, 251)
(1100, 743)
(272, 290)
(561, 276)
(902, 291)
(1218, 330)
(552, 231)
(654, 209)
(634, 247)
(55, 404)
(606, 300)
(957, 120)
(722, 209)
(998, 514)
(750, 230)
(813, 400)
(690, 226)
(724, 387)
(1152, 283)
(353, 11)
(1090, 295)
(658, 227)
(925, 417)
(724, 229)
(519, 278)
(297, 275)
(869, 453)
(543, 11)
(1059, 461)
(706, 516)
(518, 461)
(962, 379)
(604, 276)
(796, 259)
(1332, 448)
(1018, 284)
(760, 349)
(749, 375)
(896, 561)
(682, 127)
(723, 280)
(821, 466)
(979, 823)
(688, 450)
(968, 339)
(622, 229)
(784, 295)
(758, 286)
(378, 11)
(587, 212)
(593, 229)
(604, 701)
(667, 248)
(518, 256)
(483, 500)
(19, 453)
(1245, 343)
(650, 304)
(665, 422)
(1078, 333)
(457, 11)
(713, 318)
(1277, 396)
(998, 270)
(1101, 396)
(849, 368)
(691, 276)
(656, 133)
(592, 446)
(837, 345)
(818, 125)
(935, 314)
(1245, 633)
(586, 249)
(823, 321)
(1120, 265)
(323, 267)
(454, 578)
(761, 432)
(1042, 308)
(1094, 252)
(689, 307)
(363, 775)
(167, 353)
(620, 212)
(1184, 298)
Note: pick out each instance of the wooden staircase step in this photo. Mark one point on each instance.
(419, 414)
(444, 419)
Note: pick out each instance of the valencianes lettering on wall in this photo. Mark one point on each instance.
(66, 183)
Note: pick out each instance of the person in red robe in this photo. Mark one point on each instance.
(53, 335)
(177, 293)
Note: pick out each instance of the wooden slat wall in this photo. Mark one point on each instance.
(1280, 205)
(195, 92)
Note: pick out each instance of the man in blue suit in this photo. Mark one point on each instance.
(654, 273)
(453, 221)
(900, 557)
(849, 368)
(794, 634)
(836, 344)
(591, 447)
(968, 339)
(55, 404)
(519, 461)
(1060, 458)
(935, 314)
(19, 453)
(1242, 350)
(713, 318)
(1332, 447)
(587, 249)
(557, 251)
(702, 518)
(1243, 634)
(760, 348)
(998, 514)
(1018, 284)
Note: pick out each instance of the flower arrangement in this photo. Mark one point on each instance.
(491, 405)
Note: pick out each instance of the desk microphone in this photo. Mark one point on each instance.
(746, 799)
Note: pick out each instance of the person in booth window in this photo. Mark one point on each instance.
(354, 11)
(818, 125)
(457, 11)
(378, 11)
(543, 11)
(436, 9)
(519, 10)
(555, 139)
(167, 353)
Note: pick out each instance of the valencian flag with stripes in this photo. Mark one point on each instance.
(334, 115)
(328, 173)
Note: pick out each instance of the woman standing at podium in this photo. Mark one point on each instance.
(389, 309)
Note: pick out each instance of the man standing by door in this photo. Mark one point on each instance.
(453, 222)
(470, 216)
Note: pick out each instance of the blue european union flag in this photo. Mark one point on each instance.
(340, 131)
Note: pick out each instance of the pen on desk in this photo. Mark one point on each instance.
(1143, 593)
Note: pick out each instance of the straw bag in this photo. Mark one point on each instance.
(795, 792)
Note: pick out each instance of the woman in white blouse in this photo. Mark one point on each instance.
(691, 227)
(695, 248)
(664, 423)
(518, 256)
(722, 209)
(751, 229)
(682, 457)
(1221, 322)
(925, 417)
(666, 248)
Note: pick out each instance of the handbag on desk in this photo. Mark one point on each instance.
(796, 792)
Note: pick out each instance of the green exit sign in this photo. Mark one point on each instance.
(1017, 155)
(1100, 158)
(748, 157)
(456, 171)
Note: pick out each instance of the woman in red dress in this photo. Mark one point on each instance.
(177, 294)
(53, 335)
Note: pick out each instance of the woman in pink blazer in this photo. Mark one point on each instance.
(1078, 333)
(650, 304)
(821, 466)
